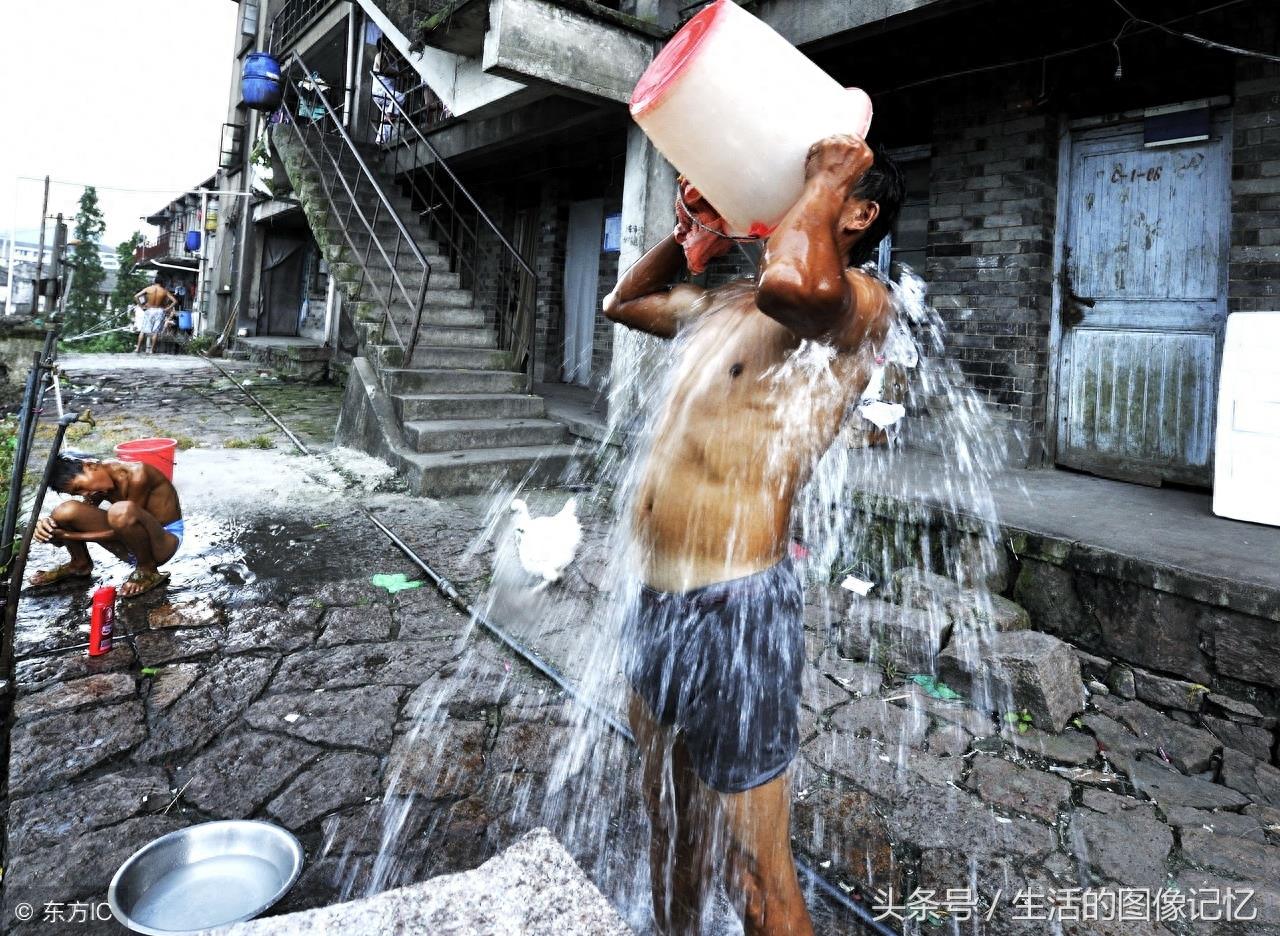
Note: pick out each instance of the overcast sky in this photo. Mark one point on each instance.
(118, 93)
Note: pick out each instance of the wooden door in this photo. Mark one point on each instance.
(1143, 302)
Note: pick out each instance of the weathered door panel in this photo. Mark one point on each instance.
(1143, 303)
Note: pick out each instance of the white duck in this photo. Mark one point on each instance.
(546, 545)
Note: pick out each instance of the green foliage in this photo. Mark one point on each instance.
(8, 447)
(1021, 720)
(110, 343)
(130, 280)
(200, 344)
(85, 303)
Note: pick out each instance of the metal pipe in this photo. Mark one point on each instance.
(450, 592)
(44, 215)
(19, 564)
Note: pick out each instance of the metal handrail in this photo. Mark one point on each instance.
(435, 153)
(366, 174)
(524, 319)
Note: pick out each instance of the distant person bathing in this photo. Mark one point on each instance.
(714, 644)
(155, 307)
(143, 525)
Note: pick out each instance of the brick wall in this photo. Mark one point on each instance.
(1254, 271)
(989, 260)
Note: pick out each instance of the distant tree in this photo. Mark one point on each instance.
(129, 280)
(85, 302)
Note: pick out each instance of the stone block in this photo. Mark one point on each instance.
(1035, 671)
(1237, 710)
(47, 751)
(1256, 778)
(100, 689)
(1218, 823)
(846, 827)
(354, 625)
(168, 685)
(1032, 793)
(1170, 788)
(1121, 681)
(212, 703)
(352, 718)
(1132, 849)
(1227, 854)
(888, 635)
(1246, 648)
(446, 761)
(62, 816)
(1189, 749)
(1254, 741)
(533, 888)
(333, 782)
(1169, 693)
(973, 608)
(876, 719)
(1069, 747)
(238, 773)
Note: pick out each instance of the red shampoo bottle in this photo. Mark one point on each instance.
(102, 620)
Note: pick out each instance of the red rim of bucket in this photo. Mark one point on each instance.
(669, 63)
(146, 446)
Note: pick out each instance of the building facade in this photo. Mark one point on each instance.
(1087, 204)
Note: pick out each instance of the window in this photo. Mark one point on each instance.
(232, 149)
(906, 242)
(249, 18)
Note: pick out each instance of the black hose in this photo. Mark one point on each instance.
(458, 600)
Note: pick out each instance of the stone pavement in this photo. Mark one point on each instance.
(273, 680)
(1140, 801)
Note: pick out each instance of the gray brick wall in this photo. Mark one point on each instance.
(1254, 272)
(989, 259)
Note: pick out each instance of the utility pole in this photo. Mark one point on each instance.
(55, 261)
(44, 213)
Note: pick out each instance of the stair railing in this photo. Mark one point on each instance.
(344, 174)
(444, 209)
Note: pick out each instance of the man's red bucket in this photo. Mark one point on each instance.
(158, 453)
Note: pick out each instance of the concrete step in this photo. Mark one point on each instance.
(370, 310)
(448, 337)
(437, 474)
(456, 435)
(436, 357)
(421, 406)
(451, 380)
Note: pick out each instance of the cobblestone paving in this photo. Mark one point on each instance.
(273, 680)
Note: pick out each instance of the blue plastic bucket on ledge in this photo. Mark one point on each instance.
(184, 321)
(193, 241)
(260, 82)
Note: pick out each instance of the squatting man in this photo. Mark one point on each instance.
(713, 643)
(143, 524)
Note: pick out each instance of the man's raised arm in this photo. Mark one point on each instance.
(804, 283)
(645, 299)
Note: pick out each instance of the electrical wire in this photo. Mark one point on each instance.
(1208, 43)
(1045, 56)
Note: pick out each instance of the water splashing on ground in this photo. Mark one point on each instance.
(850, 518)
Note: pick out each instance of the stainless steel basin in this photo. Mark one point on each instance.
(203, 876)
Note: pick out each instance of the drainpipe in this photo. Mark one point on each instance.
(197, 307)
(349, 95)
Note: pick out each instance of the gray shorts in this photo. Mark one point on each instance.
(722, 665)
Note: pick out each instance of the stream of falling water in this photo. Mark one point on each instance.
(866, 512)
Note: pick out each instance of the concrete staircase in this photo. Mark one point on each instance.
(456, 417)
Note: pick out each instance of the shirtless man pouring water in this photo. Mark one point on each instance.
(143, 525)
(714, 643)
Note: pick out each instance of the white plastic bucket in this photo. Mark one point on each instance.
(735, 107)
(1244, 484)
